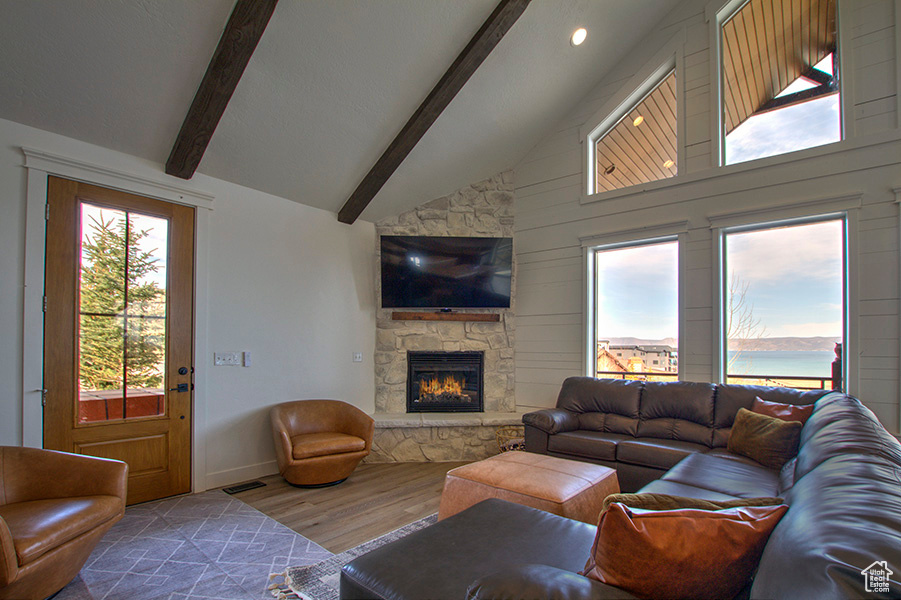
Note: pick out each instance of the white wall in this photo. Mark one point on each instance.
(857, 174)
(284, 281)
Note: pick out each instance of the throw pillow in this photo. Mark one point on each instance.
(786, 412)
(649, 501)
(683, 553)
(768, 440)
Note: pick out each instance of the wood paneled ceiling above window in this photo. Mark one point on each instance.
(767, 45)
(641, 147)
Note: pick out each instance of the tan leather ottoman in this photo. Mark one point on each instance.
(564, 487)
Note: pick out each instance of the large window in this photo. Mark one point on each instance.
(780, 78)
(783, 312)
(641, 145)
(636, 311)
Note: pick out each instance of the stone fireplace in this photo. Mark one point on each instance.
(445, 381)
(447, 434)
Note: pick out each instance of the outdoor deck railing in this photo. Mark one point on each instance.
(800, 382)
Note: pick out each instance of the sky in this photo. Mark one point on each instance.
(637, 293)
(794, 279)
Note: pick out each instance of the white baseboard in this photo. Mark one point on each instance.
(239, 475)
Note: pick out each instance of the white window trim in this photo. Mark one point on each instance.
(846, 208)
(667, 232)
(717, 13)
(38, 166)
(669, 58)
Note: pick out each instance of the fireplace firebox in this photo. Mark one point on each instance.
(445, 381)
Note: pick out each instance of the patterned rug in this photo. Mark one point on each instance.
(205, 546)
(320, 581)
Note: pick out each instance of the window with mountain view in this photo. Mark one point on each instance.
(636, 317)
(641, 145)
(784, 303)
(780, 78)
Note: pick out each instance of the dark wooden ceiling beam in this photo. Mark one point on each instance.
(242, 33)
(469, 60)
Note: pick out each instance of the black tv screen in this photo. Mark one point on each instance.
(446, 272)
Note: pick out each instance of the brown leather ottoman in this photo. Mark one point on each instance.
(563, 487)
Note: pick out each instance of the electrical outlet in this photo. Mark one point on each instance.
(358, 357)
(227, 359)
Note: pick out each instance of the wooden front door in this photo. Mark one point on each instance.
(118, 333)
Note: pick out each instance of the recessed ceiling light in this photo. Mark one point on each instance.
(668, 164)
(579, 36)
(638, 120)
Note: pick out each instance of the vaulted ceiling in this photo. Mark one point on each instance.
(329, 86)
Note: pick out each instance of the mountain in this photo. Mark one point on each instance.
(787, 343)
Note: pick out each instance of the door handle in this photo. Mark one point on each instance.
(181, 387)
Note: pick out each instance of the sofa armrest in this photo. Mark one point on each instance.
(35, 474)
(541, 581)
(9, 564)
(552, 420)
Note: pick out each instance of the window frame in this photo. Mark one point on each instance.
(674, 232)
(717, 13)
(670, 58)
(848, 217)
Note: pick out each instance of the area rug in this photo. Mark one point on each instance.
(320, 581)
(203, 546)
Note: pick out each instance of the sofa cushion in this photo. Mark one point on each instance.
(724, 475)
(682, 553)
(677, 411)
(779, 410)
(39, 526)
(309, 445)
(657, 453)
(729, 398)
(673, 488)
(654, 501)
(587, 395)
(768, 440)
(590, 444)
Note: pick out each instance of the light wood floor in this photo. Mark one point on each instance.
(375, 499)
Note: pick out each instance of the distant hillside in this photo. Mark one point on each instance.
(631, 341)
(762, 344)
(789, 343)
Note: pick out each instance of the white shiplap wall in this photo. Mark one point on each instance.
(857, 175)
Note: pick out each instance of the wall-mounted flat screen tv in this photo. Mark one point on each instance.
(446, 272)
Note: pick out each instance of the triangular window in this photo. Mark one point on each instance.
(780, 78)
(641, 145)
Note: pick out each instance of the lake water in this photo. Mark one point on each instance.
(778, 362)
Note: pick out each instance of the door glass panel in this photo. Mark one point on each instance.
(122, 315)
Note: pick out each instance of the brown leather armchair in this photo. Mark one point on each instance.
(54, 508)
(319, 442)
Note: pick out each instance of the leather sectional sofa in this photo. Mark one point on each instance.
(643, 429)
(843, 491)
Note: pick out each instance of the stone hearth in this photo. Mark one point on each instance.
(438, 437)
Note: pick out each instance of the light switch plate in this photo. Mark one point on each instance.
(227, 359)
(358, 357)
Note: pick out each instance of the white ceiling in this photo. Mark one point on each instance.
(329, 86)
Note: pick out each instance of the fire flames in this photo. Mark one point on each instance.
(448, 385)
